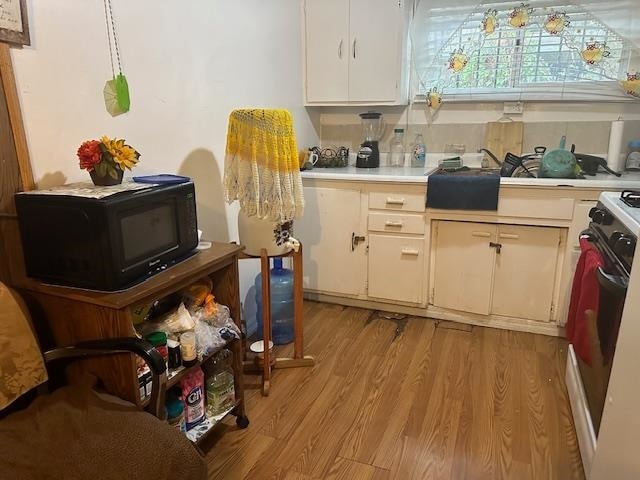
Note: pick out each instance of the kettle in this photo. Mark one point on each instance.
(558, 163)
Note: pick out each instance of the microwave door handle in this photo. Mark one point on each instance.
(612, 283)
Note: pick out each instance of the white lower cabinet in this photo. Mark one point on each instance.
(489, 269)
(396, 268)
(334, 242)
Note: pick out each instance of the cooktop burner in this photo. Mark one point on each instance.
(631, 198)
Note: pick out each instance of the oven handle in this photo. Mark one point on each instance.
(613, 283)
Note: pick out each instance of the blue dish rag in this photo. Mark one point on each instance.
(463, 192)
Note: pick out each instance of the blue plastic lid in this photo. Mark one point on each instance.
(634, 144)
(277, 263)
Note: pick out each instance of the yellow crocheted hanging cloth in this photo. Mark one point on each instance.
(261, 167)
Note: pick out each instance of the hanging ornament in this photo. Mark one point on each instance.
(631, 85)
(595, 52)
(519, 17)
(490, 21)
(458, 60)
(434, 99)
(116, 90)
(556, 22)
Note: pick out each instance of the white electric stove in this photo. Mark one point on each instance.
(614, 231)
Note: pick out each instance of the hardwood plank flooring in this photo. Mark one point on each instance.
(429, 402)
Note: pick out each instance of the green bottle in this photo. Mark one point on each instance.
(221, 395)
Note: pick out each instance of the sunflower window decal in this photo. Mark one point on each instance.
(458, 60)
(490, 21)
(595, 52)
(519, 16)
(556, 23)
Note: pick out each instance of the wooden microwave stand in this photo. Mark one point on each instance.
(74, 315)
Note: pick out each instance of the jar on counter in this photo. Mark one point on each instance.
(633, 158)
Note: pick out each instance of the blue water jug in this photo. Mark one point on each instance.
(281, 303)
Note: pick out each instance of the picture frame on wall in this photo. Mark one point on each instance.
(14, 26)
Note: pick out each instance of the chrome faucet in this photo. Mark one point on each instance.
(493, 157)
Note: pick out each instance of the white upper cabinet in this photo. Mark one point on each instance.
(327, 41)
(355, 52)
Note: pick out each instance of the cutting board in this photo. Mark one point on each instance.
(503, 137)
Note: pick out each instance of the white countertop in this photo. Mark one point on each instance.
(629, 180)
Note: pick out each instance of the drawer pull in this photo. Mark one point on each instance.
(391, 223)
(480, 234)
(509, 236)
(395, 201)
(410, 251)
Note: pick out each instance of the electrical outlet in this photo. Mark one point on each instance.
(513, 108)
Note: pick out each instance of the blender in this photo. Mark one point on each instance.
(372, 130)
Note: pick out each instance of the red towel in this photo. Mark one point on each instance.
(585, 295)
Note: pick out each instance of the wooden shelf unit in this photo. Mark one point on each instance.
(73, 315)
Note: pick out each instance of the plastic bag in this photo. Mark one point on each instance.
(214, 331)
(176, 321)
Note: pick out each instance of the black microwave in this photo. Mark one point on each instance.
(107, 243)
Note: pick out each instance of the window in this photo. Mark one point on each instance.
(510, 63)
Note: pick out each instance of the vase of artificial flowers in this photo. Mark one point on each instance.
(106, 159)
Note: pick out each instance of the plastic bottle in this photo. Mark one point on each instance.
(396, 148)
(281, 303)
(419, 152)
(192, 386)
(221, 394)
(175, 411)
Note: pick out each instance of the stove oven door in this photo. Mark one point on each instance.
(602, 327)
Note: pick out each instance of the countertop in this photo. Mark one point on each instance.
(601, 181)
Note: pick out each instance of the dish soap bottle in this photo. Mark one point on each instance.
(419, 152)
(396, 148)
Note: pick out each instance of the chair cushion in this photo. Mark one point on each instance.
(75, 434)
(21, 364)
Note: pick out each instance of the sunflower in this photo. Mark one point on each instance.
(122, 154)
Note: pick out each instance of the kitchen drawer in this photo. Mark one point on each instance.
(408, 202)
(396, 223)
(518, 205)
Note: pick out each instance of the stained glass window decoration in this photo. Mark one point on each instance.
(548, 51)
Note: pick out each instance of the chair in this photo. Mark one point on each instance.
(76, 432)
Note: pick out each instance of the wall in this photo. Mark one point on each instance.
(188, 64)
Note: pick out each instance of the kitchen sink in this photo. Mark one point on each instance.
(471, 172)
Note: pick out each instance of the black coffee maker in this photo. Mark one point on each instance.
(372, 130)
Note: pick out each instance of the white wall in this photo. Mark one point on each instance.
(188, 65)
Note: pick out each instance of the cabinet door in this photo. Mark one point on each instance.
(463, 263)
(331, 264)
(396, 268)
(525, 273)
(327, 50)
(374, 50)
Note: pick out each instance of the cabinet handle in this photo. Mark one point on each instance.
(497, 246)
(355, 240)
(354, 47)
(391, 223)
(510, 236)
(480, 234)
(395, 201)
(410, 251)
(340, 48)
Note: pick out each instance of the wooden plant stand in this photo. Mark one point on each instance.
(299, 358)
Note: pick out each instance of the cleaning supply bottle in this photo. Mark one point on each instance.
(419, 152)
(281, 303)
(221, 394)
(396, 148)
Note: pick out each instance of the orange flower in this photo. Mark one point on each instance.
(89, 154)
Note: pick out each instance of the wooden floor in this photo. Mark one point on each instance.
(432, 401)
